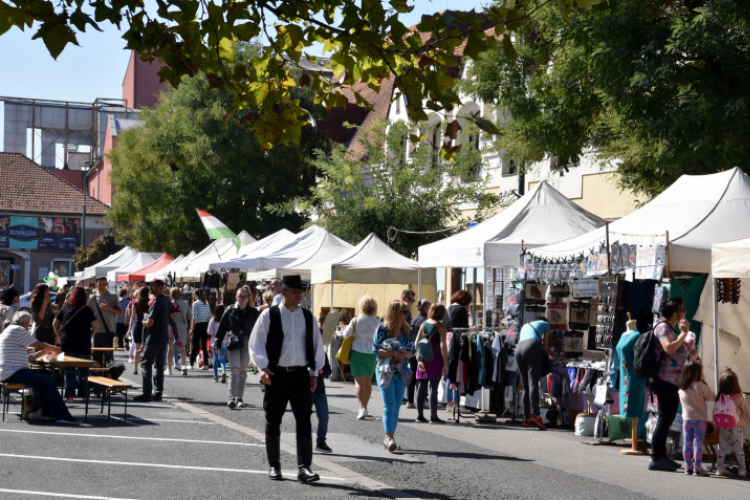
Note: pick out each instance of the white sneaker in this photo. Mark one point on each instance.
(184, 371)
(36, 414)
(240, 403)
(411, 406)
(390, 445)
(231, 404)
(361, 414)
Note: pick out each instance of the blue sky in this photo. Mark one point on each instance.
(97, 67)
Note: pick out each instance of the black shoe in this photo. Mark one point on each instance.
(143, 398)
(436, 420)
(156, 397)
(662, 465)
(421, 420)
(274, 473)
(674, 463)
(322, 447)
(305, 475)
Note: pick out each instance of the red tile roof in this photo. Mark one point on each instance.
(28, 187)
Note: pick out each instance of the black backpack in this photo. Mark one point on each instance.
(645, 361)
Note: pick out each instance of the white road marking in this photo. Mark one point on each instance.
(160, 466)
(157, 420)
(59, 495)
(195, 441)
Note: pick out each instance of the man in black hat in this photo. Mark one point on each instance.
(156, 338)
(287, 348)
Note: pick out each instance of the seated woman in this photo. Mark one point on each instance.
(14, 362)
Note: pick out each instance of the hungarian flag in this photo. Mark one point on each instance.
(216, 229)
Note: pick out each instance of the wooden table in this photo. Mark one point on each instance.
(68, 362)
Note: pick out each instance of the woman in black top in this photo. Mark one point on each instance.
(457, 316)
(75, 324)
(41, 312)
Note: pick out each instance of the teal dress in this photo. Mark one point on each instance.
(632, 388)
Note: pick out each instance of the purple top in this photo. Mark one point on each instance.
(671, 365)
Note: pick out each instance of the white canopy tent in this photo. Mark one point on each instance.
(728, 323)
(218, 249)
(540, 217)
(372, 262)
(252, 254)
(141, 260)
(697, 211)
(163, 272)
(328, 248)
(122, 257)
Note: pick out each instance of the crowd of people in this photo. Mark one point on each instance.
(406, 356)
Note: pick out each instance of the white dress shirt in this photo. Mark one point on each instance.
(278, 298)
(293, 348)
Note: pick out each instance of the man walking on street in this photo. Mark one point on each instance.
(155, 339)
(287, 348)
(106, 307)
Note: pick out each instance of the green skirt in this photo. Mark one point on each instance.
(362, 364)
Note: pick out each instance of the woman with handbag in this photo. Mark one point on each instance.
(361, 359)
(530, 357)
(237, 322)
(181, 320)
(432, 361)
(201, 315)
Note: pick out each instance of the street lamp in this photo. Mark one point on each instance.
(85, 170)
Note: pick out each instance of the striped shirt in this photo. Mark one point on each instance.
(13, 357)
(201, 311)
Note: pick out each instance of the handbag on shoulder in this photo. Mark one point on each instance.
(346, 346)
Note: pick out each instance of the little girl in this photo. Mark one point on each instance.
(729, 384)
(693, 395)
(220, 355)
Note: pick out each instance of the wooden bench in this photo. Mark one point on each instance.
(109, 387)
(7, 390)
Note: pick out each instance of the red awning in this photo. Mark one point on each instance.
(140, 275)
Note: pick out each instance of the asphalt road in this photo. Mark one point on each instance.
(191, 446)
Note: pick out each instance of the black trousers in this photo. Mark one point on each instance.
(288, 387)
(413, 385)
(530, 356)
(122, 330)
(422, 396)
(200, 339)
(666, 411)
(104, 339)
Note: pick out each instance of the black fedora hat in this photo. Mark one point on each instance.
(292, 282)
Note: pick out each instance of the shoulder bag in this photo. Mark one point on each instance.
(346, 346)
(236, 341)
(101, 316)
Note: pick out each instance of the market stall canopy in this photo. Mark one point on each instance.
(328, 249)
(223, 247)
(266, 246)
(163, 272)
(731, 259)
(540, 217)
(140, 274)
(111, 263)
(372, 261)
(284, 253)
(141, 260)
(697, 210)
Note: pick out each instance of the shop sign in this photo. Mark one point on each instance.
(585, 289)
(39, 233)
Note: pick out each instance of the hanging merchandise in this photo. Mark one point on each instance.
(610, 315)
(534, 312)
(559, 291)
(532, 268)
(602, 263)
(557, 313)
(535, 293)
(661, 295)
(585, 289)
(579, 316)
(513, 328)
(591, 263)
(728, 290)
(512, 303)
(616, 257)
(641, 264)
(573, 344)
(521, 271)
(660, 261)
(557, 344)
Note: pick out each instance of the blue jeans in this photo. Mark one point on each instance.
(451, 395)
(46, 396)
(176, 355)
(220, 356)
(320, 402)
(392, 398)
(76, 377)
(153, 354)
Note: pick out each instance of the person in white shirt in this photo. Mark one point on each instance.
(287, 348)
(276, 291)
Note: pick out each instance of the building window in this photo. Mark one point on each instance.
(6, 277)
(398, 104)
(556, 163)
(61, 267)
(510, 167)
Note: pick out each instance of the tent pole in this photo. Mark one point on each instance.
(667, 256)
(419, 284)
(714, 301)
(609, 256)
(474, 297)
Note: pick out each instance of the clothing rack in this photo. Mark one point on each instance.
(487, 332)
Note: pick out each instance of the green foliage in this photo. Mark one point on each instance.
(188, 154)
(365, 40)
(357, 197)
(101, 248)
(655, 86)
